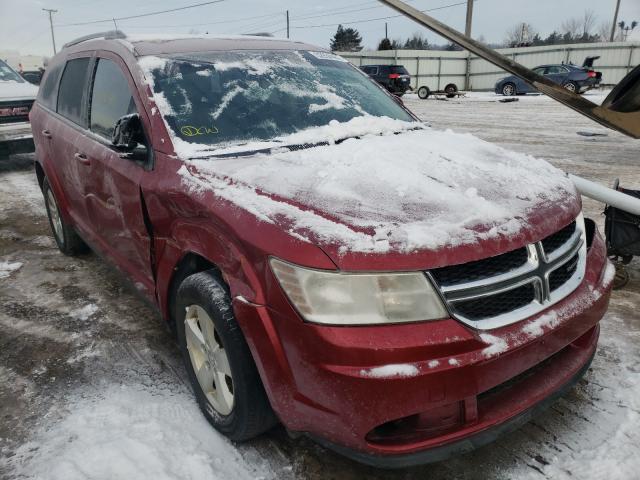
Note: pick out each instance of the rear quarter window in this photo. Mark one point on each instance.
(71, 91)
(399, 69)
(48, 92)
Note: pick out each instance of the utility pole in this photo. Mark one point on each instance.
(467, 29)
(386, 31)
(53, 38)
(287, 23)
(615, 21)
(467, 32)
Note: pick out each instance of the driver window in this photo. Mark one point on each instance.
(110, 98)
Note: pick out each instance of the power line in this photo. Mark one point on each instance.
(142, 14)
(207, 23)
(379, 18)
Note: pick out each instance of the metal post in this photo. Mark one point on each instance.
(467, 32)
(53, 38)
(287, 23)
(615, 21)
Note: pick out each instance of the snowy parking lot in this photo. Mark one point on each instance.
(92, 384)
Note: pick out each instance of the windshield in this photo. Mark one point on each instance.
(220, 98)
(8, 75)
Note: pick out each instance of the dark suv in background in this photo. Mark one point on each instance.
(394, 78)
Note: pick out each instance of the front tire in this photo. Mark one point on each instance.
(218, 361)
(509, 90)
(65, 236)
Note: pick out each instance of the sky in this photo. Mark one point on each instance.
(25, 26)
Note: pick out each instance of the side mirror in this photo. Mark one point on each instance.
(128, 137)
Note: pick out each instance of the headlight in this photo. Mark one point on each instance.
(334, 298)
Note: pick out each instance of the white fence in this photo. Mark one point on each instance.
(436, 69)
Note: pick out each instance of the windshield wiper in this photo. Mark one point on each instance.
(292, 147)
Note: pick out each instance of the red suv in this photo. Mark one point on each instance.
(325, 259)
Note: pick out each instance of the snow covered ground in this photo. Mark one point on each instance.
(92, 385)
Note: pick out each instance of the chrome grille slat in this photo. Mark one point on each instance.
(475, 294)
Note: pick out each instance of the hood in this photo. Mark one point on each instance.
(10, 90)
(419, 199)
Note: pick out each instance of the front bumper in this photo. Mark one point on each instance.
(459, 390)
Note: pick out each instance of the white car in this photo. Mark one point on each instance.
(16, 98)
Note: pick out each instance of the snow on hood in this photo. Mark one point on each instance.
(11, 90)
(420, 189)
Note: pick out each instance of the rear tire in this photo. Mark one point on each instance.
(65, 236)
(227, 384)
(509, 90)
(423, 93)
(451, 90)
(572, 87)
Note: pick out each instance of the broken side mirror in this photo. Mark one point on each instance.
(129, 139)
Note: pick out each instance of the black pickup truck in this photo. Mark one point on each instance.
(16, 98)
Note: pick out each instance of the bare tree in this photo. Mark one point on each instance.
(519, 35)
(580, 27)
(571, 27)
(604, 31)
(588, 22)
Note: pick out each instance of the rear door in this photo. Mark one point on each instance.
(114, 197)
(66, 132)
(558, 74)
(41, 117)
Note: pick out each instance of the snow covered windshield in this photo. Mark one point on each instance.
(220, 98)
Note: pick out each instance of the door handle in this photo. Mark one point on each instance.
(82, 158)
(46, 133)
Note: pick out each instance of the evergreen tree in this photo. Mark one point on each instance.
(416, 42)
(346, 40)
(385, 44)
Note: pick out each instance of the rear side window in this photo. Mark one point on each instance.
(72, 85)
(110, 98)
(399, 69)
(49, 89)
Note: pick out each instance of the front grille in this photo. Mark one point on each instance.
(480, 269)
(15, 111)
(510, 287)
(562, 275)
(498, 304)
(555, 241)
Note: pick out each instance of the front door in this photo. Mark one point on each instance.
(113, 198)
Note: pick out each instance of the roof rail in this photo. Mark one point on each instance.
(109, 35)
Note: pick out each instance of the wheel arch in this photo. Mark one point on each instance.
(39, 173)
(189, 264)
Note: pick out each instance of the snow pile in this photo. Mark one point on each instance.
(84, 313)
(421, 189)
(7, 268)
(131, 433)
(400, 370)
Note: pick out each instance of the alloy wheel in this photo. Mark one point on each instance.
(209, 359)
(56, 221)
